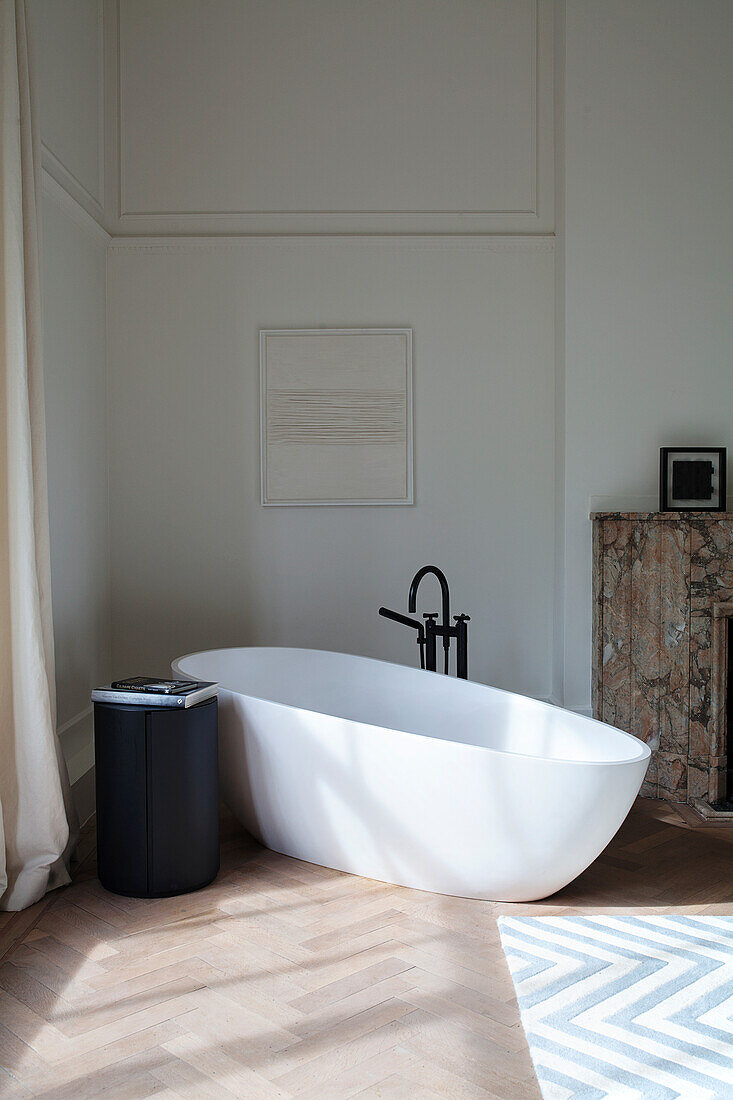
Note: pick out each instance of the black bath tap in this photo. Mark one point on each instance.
(427, 636)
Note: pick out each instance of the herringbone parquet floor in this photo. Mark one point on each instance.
(283, 979)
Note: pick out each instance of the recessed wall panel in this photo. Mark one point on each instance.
(328, 107)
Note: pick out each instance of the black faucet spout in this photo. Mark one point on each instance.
(445, 594)
(445, 609)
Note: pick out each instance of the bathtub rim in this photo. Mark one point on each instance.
(643, 754)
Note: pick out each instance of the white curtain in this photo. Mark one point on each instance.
(34, 790)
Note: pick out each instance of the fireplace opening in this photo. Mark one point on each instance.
(729, 712)
(725, 803)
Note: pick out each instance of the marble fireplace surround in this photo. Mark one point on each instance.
(662, 597)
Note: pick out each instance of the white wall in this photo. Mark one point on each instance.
(68, 65)
(198, 563)
(641, 345)
(648, 242)
(74, 264)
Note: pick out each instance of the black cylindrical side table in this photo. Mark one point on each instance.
(157, 798)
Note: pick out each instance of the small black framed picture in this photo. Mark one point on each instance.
(692, 479)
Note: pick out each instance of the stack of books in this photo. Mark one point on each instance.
(146, 691)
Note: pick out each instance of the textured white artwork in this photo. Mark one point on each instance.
(336, 416)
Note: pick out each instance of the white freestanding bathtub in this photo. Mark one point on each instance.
(414, 777)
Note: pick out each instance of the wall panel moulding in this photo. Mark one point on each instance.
(387, 160)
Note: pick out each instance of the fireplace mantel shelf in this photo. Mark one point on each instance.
(670, 517)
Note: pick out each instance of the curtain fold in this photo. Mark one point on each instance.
(37, 828)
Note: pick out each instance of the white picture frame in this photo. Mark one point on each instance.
(336, 417)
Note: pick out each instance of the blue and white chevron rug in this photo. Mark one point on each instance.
(633, 1008)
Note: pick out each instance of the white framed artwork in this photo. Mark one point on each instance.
(336, 416)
